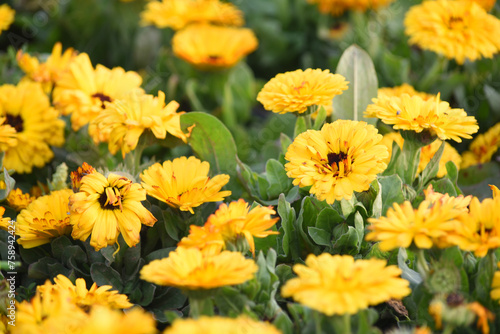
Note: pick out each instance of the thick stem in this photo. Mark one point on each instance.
(347, 323)
(200, 306)
(422, 266)
(411, 155)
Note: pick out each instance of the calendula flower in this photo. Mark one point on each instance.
(403, 89)
(344, 157)
(338, 284)
(29, 126)
(210, 47)
(83, 91)
(479, 230)
(76, 176)
(49, 72)
(105, 320)
(177, 14)
(189, 268)
(460, 202)
(19, 200)
(4, 221)
(84, 298)
(296, 91)
(230, 223)
(123, 121)
(44, 219)
(184, 183)
(413, 113)
(106, 207)
(455, 29)
(6, 17)
(483, 147)
(217, 325)
(486, 4)
(338, 7)
(495, 285)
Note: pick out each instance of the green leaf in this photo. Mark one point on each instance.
(430, 171)
(320, 118)
(285, 141)
(159, 254)
(328, 218)
(42, 269)
(300, 126)
(408, 274)
(290, 241)
(59, 245)
(475, 180)
(319, 236)
(452, 175)
(371, 199)
(392, 191)
(229, 301)
(444, 186)
(395, 68)
(104, 275)
(9, 183)
(279, 182)
(357, 67)
(348, 242)
(283, 323)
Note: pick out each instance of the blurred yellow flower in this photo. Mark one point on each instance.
(19, 200)
(495, 285)
(343, 157)
(189, 268)
(338, 7)
(338, 284)
(458, 30)
(486, 4)
(415, 114)
(29, 126)
(184, 183)
(219, 325)
(6, 17)
(105, 320)
(106, 207)
(177, 14)
(403, 89)
(76, 177)
(482, 147)
(296, 91)
(4, 221)
(210, 47)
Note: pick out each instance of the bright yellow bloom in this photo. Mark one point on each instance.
(76, 177)
(6, 17)
(403, 89)
(219, 325)
(229, 223)
(106, 207)
(177, 14)
(123, 121)
(104, 320)
(189, 268)
(184, 183)
(83, 91)
(495, 285)
(460, 203)
(338, 284)
(4, 221)
(26, 109)
(486, 4)
(296, 91)
(456, 29)
(412, 113)
(338, 7)
(44, 219)
(482, 147)
(84, 298)
(210, 47)
(19, 200)
(344, 157)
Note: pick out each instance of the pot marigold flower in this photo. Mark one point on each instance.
(456, 29)
(338, 284)
(210, 47)
(296, 91)
(76, 177)
(482, 148)
(177, 14)
(105, 320)
(403, 89)
(217, 325)
(106, 207)
(338, 7)
(19, 200)
(184, 183)
(343, 157)
(191, 269)
(83, 91)
(123, 121)
(29, 125)
(413, 113)
(486, 4)
(6, 17)
(4, 221)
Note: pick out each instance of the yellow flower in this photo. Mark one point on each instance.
(76, 177)
(19, 200)
(184, 183)
(26, 109)
(338, 7)
(403, 89)
(104, 320)
(4, 221)
(460, 202)
(344, 157)
(483, 315)
(84, 298)
(338, 284)
(177, 14)
(296, 91)
(189, 268)
(83, 91)
(456, 29)
(229, 223)
(486, 4)
(123, 121)
(209, 47)
(106, 207)
(6, 17)
(413, 113)
(495, 285)
(44, 219)
(482, 147)
(218, 325)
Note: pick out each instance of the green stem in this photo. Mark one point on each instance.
(448, 329)
(422, 266)
(347, 323)
(411, 156)
(307, 119)
(200, 306)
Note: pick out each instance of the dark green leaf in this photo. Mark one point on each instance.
(279, 182)
(444, 186)
(105, 275)
(430, 171)
(319, 236)
(392, 191)
(159, 254)
(300, 126)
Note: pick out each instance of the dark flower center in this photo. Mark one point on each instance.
(335, 158)
(15, 121)
(111, 199)
(103, 98)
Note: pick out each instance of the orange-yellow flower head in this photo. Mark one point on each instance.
(28, 127)
(184, 183)
(338, 7)
(6, 17)
(177, 14)
(111, 321)
(296, 91)
(338, 284)
(123, 121)
(83, 91)
(458, 30)
(433, 115)
(191, 269)
(483, 147)
(210, 47)
(106, 207)
(5, 222)
(218, 325)
(19, 200)
(486, 4)
(76, 177)
(343, 157)
(403, 89)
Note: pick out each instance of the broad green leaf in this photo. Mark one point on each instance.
(300, 126)
(290, 242)
(348, 242)
(430, 171)
(357, 67)
(279, 182)
(283, 323)
(319, 236)
(327, 219)
(371, 199)
(408, 274)
(104, 275)
(159, 254)
(392, 191)
(444, 186)
(320, 118)
(452, 175)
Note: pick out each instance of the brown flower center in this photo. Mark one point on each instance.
(103, 98)
(15, 121)
(111, 199)
(456, 22)
(340, 163)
